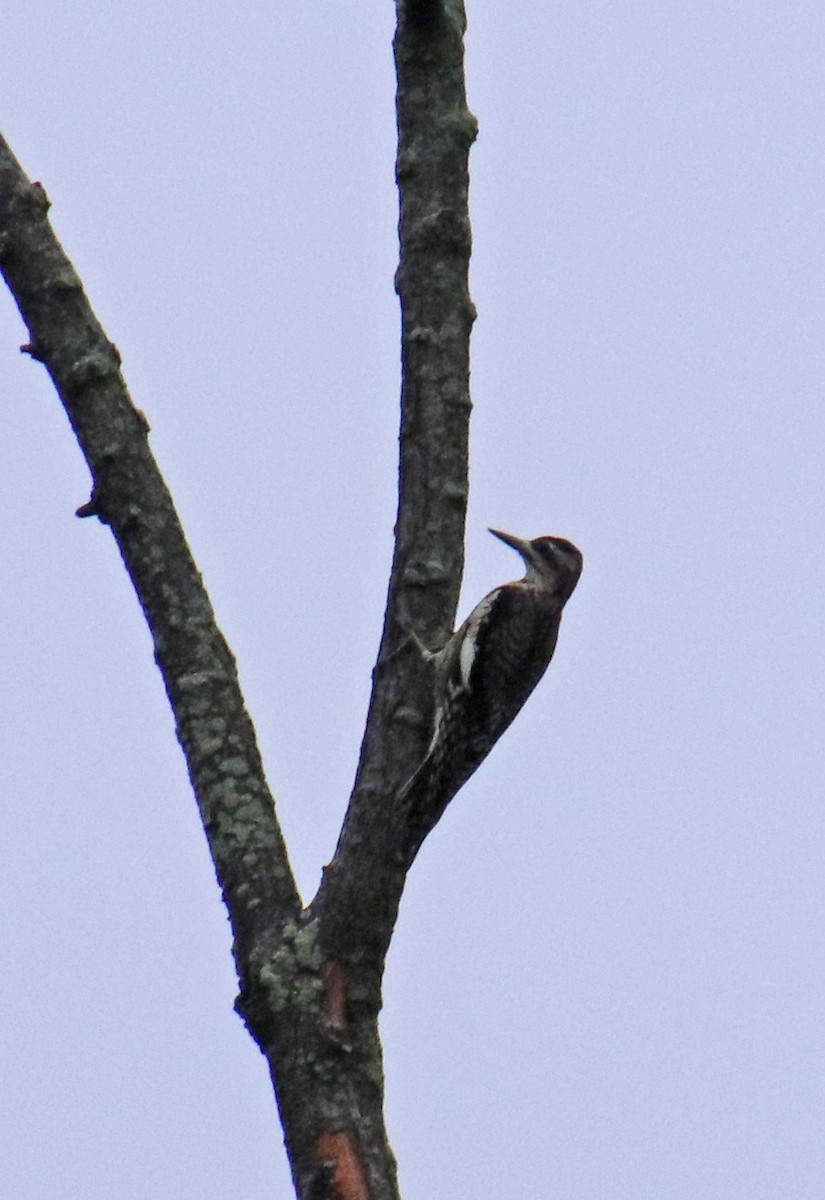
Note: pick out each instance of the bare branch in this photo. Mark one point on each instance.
(129, 495)
(311, 979)
(359, 896)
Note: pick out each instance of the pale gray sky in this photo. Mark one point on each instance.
(607, 979)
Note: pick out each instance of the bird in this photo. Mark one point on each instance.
(487, 670)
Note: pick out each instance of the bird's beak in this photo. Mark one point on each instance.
(510, 539)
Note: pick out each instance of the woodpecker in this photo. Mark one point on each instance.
(486, 671)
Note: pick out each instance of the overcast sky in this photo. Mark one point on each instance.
(607, 981)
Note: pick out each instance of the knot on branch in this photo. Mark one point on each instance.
(93, 507)
(424, 572)
(38, 197)
(102, 362)
(33, 196)
(442, 227)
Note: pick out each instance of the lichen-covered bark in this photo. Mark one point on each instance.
(129, 495)
(310, 978)
(357, 903)
(326, 1070)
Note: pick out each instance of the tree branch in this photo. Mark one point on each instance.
(359, 896)
(130, 496)
(311, 979)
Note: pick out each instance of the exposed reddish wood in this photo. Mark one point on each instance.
(336, 981)
(336, 1149)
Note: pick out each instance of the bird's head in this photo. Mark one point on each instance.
(551, 562)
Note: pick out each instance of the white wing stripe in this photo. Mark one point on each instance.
(469, 643)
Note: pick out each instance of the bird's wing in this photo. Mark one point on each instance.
(469, 639)
(513, 637)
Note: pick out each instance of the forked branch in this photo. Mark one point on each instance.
(310, 978)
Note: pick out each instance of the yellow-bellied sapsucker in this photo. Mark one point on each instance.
(487, 670)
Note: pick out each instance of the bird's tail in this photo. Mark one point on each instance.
(423, 800)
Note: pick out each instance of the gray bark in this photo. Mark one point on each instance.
(310, 977)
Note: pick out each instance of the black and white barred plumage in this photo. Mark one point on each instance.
(489, 667)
